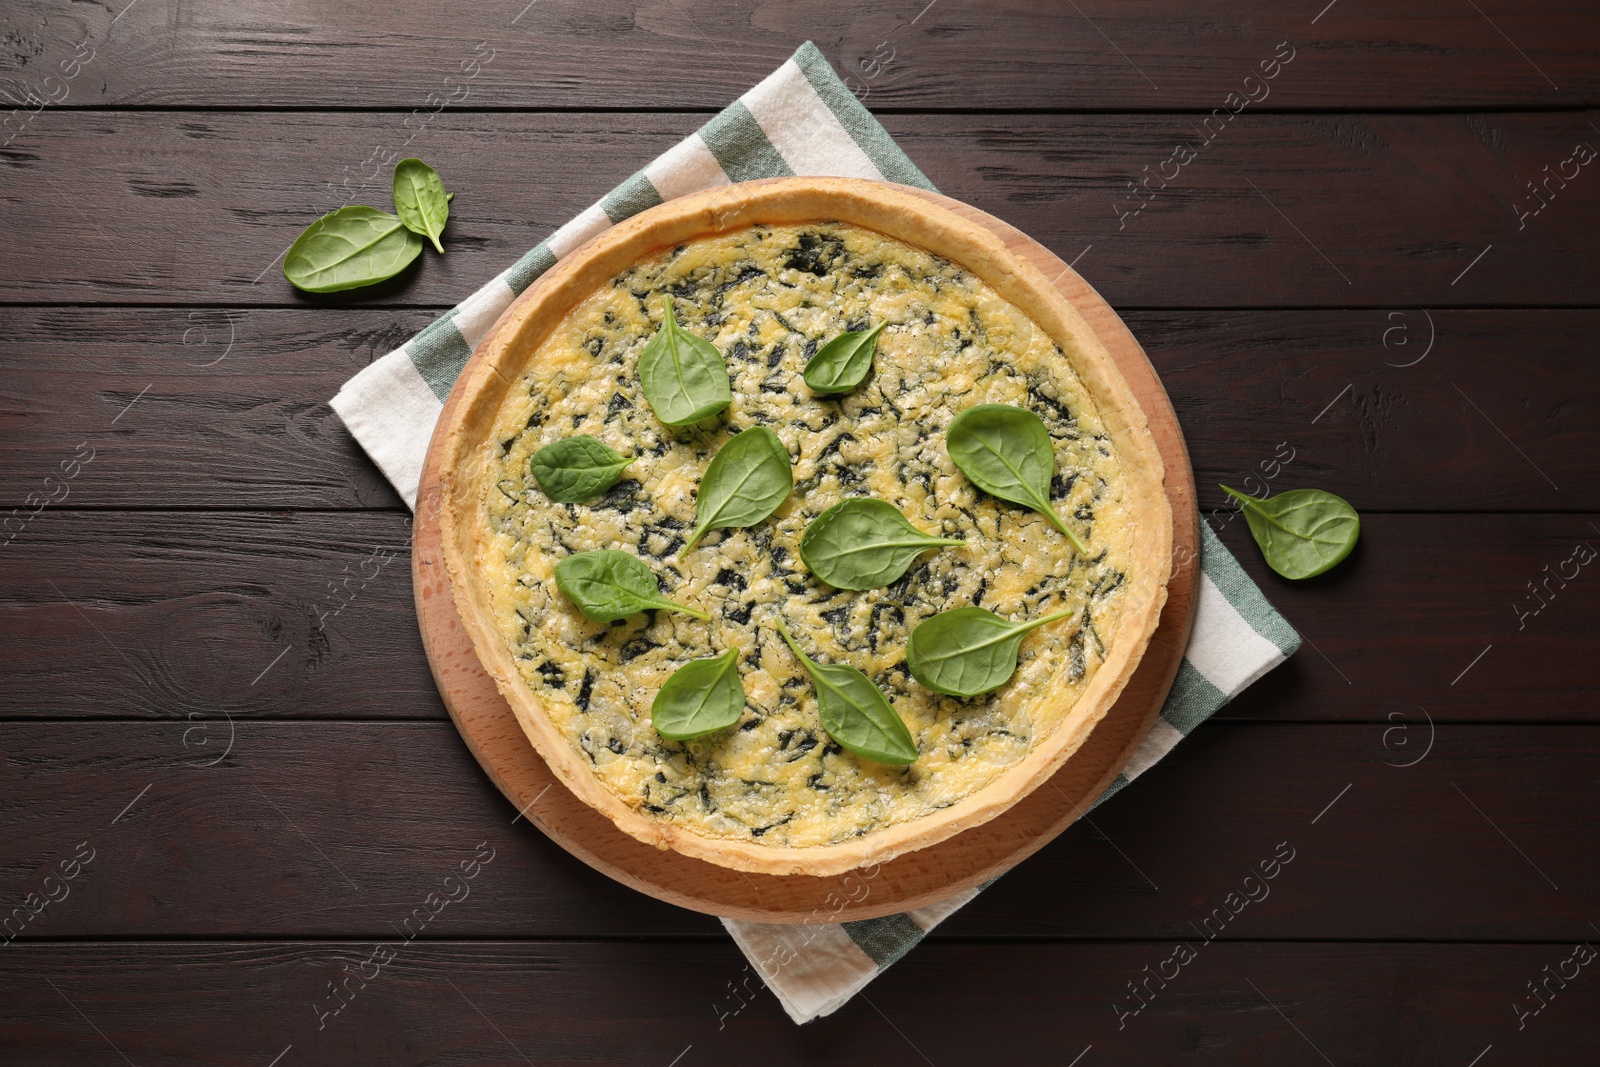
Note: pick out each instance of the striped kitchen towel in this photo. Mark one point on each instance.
(800, 120)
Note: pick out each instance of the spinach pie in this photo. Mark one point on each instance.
(728, 489)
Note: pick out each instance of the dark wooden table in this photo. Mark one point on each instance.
(226, 773)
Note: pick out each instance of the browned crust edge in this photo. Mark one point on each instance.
(897, 213)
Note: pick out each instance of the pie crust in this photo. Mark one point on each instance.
(470, 450)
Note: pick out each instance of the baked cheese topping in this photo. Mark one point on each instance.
(767, 297)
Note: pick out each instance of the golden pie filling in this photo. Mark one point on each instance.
(767, 297)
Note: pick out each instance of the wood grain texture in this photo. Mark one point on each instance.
(1279, 210)
(154, 615)
(190, 407)
(180, 212)
(1436, 616)
(1260, 1005)
(916, 877)
(213, 614)
(236, 413)
(340, 829)
(697, 53)
(1408, 410)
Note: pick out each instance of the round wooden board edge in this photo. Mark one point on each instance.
(915, 879)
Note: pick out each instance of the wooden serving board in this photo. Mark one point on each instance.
(916, 878)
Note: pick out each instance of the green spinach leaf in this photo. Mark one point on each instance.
(608, 585)
(1303, 532)
(863, 543)
(854, 711)
(842, 364)
(968, 651)
(349, 248)
(744, 483)
(1007, 453)
(684, 377)
(420, 200)
(576, 469)
(701, 696)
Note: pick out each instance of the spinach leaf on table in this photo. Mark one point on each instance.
(842, 364)
(349, 248)
(576, 469)
(420, 200)
(969, 651)
(862, 543)
(702, 696)
(1302, 533)
(608, 585)
(684, 377)
(854, 711)
(744, 483)
(1007, 452)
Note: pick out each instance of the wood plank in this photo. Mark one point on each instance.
(1406, 410)
(235, 414)
(1143, 54)
(155, 615)
(514, 1002)
(261, 844)
(1174, 845)
(1279, 210)
(247, 615)
(212, 407)
(1414, 627)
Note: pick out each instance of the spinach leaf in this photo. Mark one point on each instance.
(684, 377)
(701, 696)
(863, 543)
(420, 200)
(841, 364)
(1007, 453)
(576, 469)
(1303, 532)
(744, 483)
(349, 248)
(608, 585)
(969, 650)
(854, 711)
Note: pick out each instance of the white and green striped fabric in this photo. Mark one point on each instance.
(800, 120)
